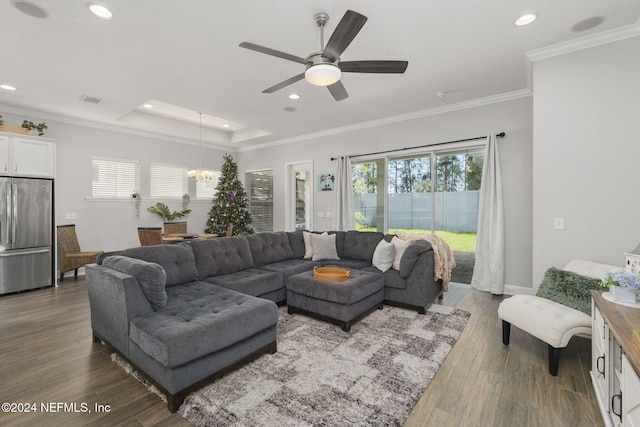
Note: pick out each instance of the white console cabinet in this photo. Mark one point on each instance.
(615, 362)
(26, 156)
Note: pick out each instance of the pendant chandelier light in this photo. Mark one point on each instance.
(200, 175)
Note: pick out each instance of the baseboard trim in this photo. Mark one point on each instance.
(518, 290)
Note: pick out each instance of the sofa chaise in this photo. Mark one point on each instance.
(187, 313)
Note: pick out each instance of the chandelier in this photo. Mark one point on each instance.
(200, 175)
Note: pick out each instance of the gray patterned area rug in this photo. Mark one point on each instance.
(323, 376)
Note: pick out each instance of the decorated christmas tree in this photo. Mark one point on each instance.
(230, 204)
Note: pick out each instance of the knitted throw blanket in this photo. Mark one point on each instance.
(444, 261)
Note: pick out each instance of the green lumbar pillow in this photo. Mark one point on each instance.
(568, 288)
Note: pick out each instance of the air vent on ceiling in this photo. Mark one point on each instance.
(90, 99)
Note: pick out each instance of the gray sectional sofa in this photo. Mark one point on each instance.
(186, 314)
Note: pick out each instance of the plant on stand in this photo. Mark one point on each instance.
(137, 201)
(622, 285)
(166, 214)
(40, 127)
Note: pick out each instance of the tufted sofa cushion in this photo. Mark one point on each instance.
(360, 245)
(150, 276)
(296, 241)
(177, 260)
(222, 256)
(267, 248)
(198, 320)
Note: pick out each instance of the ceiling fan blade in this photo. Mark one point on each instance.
(338, 91)
(347, 29)
(373, 66)
(284, 83)
(273, 52)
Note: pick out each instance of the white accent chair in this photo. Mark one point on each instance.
(548, 320)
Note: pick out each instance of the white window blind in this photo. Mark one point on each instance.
(260, 189)
(168, 181)
(206, 190)
(114, 178)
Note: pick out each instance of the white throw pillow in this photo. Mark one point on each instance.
(384, 255)
(400, 246)
(308, 249)
(324, 247)
(308, 245)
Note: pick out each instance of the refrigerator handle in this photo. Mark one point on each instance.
(15, 212)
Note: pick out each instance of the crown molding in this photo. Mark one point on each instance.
(111, 128)
(586, 42)
(479, 102)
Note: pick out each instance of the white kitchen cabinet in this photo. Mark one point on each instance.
(27, 156)
(4, 154)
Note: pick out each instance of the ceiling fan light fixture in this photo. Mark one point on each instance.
(322, 74)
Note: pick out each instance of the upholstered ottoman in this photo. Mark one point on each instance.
(549, 321)
(337, 302)
(546, 320)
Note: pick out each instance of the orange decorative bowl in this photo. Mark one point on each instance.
(331, 273)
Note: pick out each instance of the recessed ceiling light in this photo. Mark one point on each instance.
(147, 105)
(588, 23)
(226, 125)
(7, 87)
(30, 9)
(294, 96)
(100, 11)
(526, 19)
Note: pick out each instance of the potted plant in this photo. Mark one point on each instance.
(165, 213)
(40, 127)
(622, 285)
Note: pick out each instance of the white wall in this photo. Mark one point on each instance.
(514, 117)
(585, 155)
(111, 225)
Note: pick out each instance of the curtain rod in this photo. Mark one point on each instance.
(499, 135)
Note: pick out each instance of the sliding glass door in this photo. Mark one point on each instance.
(409, 194)
(429, 192)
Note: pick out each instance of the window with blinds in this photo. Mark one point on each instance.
(206, 190)
(114, 178)
(168, 181)
(260, 190)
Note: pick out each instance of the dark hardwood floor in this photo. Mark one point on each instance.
(48, 360)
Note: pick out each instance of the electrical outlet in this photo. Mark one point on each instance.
(70, 215)
(558, 223)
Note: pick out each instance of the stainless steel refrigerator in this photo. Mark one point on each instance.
(26, 233)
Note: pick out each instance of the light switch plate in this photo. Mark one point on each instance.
(70, 215)
(558, 223)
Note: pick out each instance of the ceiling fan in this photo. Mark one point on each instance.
(324, 68)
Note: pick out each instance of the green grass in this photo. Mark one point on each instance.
(459, 241)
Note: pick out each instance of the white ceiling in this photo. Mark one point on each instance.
(184, 55)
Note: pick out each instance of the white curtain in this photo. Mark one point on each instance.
(343, 216)
(488, 272)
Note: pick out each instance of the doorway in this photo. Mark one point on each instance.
(299, 200)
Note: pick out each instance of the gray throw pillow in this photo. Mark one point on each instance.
(568, 288)
(383, 255)
(151, 276)
(324, 247)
